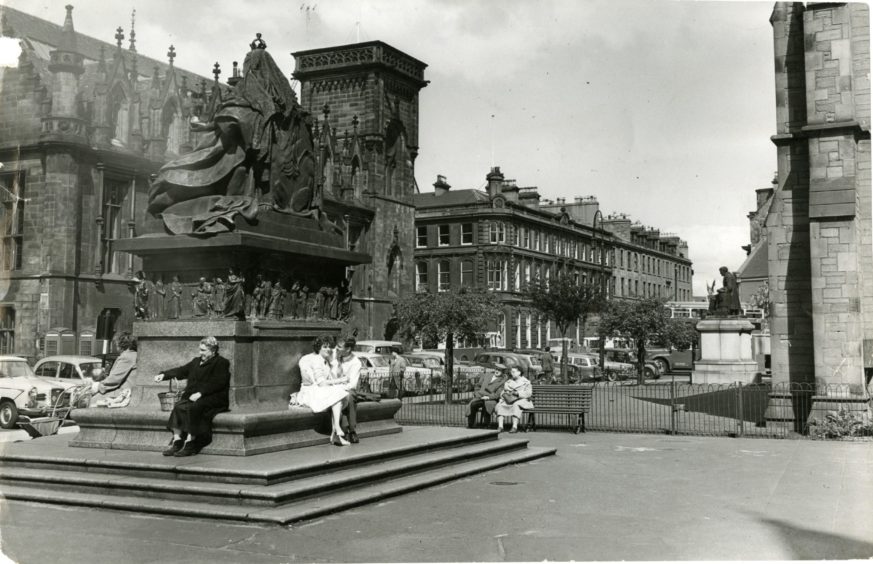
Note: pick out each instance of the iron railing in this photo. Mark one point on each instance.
(668, 407)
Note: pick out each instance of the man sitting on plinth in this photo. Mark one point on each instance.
(347, 367)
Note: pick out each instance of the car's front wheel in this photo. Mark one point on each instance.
(8, 414)
(611, 375)
(662, 365)
(650, 373)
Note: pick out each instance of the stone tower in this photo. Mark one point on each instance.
(372, 90)
(819, 223)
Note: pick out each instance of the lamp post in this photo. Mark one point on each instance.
(601, 276)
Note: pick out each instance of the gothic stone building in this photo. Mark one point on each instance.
(502, 237)
(818, 225)
(83, 125)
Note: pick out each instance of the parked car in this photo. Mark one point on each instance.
(374, 372)
(669, 359)
(502, 360)
(626, 358)
(379, 347)
(534, 358)
(466, 375)
(70, 368)
(23, 393)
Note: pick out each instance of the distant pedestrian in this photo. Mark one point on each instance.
(548, 363)
(398, 368)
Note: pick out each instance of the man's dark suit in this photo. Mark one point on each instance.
(485, 398)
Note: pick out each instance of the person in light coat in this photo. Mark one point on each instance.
(516, 396)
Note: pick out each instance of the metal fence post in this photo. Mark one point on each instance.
(672, 405)
(740, 426)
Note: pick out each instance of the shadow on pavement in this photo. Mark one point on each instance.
(806, 544)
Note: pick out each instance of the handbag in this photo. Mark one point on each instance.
(509, 398)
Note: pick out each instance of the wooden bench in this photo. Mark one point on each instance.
(567, 400)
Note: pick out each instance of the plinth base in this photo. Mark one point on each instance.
(235, 433)
(273, 488)
(822, 405)
(724, 372)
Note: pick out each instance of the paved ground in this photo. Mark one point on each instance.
(605, 496)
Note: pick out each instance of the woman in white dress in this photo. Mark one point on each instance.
(516, 393)
(320, 390)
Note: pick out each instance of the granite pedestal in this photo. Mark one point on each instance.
(725, 352)
(263, 358)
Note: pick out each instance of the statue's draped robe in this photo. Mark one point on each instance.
(257, 151)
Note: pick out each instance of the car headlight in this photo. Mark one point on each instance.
(32, 395)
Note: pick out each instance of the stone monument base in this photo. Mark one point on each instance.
(235, 433)
(724, 372)
(725, 352)
(856, 405)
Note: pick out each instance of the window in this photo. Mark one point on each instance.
(528, 343)
(7, 330)
(466, 273)
(113, 196)
(467, 234)
(525, 237)
(421, 236)
(518, 331)
(47, 370)
(516, 283)
(421, 277)
(443, 276)
(501, 330)
(443, 235)
(11, 220)
(536, 240)
(498, 232)
(495, 274)
(527, 272)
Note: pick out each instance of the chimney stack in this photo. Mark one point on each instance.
(495, 181)
(440, 187)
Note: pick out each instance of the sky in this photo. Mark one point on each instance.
(661, 109)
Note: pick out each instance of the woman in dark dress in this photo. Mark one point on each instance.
(205, 396)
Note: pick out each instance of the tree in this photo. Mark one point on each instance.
(641, 320)
(565, 301)
(445, 316)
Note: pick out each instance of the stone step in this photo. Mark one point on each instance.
(53, 453)
(364, 473)
(294, 510)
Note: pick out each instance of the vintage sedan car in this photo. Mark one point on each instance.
(534, 359)
(627, 359)
(374, 372)
(503, 360)
(22, 393)
(379, 347)
(433, 366)
(67, 369)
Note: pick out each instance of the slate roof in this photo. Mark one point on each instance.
(755, 266)
(451, 198)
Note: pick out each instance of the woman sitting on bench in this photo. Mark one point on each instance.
(516, 393)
